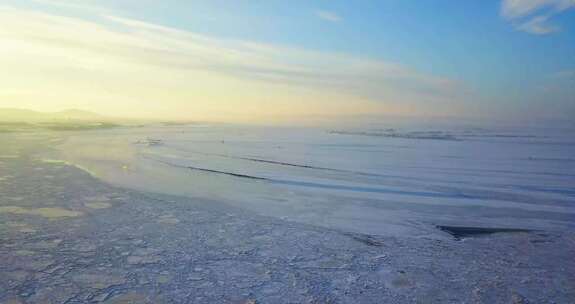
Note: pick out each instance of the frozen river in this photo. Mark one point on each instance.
(384, 181)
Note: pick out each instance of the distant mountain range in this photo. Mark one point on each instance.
(23, 115)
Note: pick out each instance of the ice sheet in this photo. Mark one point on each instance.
(362, 180)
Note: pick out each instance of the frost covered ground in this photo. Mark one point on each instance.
(351, 234)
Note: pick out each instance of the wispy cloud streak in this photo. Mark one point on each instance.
(532, 16)
(328, 16)
(127, 51)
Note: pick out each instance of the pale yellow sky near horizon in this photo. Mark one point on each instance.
(128, 68)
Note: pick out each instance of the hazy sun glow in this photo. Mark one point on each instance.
(130, 68)
(125, 67)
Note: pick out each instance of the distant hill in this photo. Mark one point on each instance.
(74, 114)
(23, 115)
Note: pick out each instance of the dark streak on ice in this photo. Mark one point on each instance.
(209, 170)
(300, 165)
(318, 185)
(460, 232)
(366, 239)
(226, 173)
(281, 163)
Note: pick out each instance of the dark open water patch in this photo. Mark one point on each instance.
(460, 232)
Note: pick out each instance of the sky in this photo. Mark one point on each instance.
(271, 61)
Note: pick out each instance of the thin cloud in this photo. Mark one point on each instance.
(538, 26)
(125, 56)
(80, 5)
(532, 16)
(566, 74)
(328, 16)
